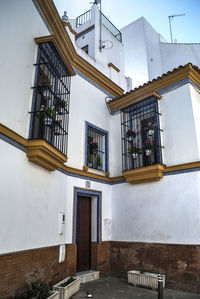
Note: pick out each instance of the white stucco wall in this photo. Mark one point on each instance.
(167, 211)
(88, 104)
(173, 55)
(179, 133)
(31, 199)
(18, 54)
(135, 54)
(195, 97)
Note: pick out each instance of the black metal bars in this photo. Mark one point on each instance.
(140, 127)
(50, 109)
(96, 149)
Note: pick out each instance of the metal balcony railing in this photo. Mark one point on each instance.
(86, 17)
(105, 21)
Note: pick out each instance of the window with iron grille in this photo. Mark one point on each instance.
(50, 108)
(96, 147)
(141, 144)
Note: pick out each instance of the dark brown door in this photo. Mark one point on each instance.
(83, 233)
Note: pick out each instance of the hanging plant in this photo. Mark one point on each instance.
(151, 127)
(130, 134)
(48, 112)
(148, 147)
(134, 150)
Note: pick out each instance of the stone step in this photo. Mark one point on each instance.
(87, 276)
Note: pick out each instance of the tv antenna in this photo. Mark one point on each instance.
(170, 25)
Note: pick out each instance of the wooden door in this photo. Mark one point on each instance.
(83, 233)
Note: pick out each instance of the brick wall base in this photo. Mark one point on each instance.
(19, 269)
(180, 263)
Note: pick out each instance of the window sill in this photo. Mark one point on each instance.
(96, 171)
(44, 155)
(144, 174)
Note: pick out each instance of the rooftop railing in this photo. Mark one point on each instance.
(105, 21)
(86, 17)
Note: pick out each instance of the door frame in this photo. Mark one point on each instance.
(87, 192)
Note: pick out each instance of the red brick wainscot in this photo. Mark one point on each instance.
(19, 269)
(180, 263)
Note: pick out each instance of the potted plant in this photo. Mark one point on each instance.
(142, 278)
(98, 162)
(67, 287)
(151, 127)
(48, 113)
(134, 150)
(61, 104)
(130, 134)
(41, 290)
(148, 146)
(90, 160)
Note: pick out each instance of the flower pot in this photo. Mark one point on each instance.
(54, 295)
(148, 152)
(90, 164)
(134, 155)
(48, 122)
(146, 279)
(69, 290)
(151, 133)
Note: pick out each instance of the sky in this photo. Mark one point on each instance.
(185, 29)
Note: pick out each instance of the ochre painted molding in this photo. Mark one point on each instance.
(13, 135)
(64, 56)
(67, 24)
(47, 150)
(144, 174)
(185, 166)
(114, 67)
(54, 21)
(129, 100)
(44, 154)
(155, 85)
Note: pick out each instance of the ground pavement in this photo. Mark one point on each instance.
(116, 288)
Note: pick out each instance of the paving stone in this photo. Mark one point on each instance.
(117, 288)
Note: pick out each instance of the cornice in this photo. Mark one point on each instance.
(152, 87)
(52, 17)
(62, 52)
(144, 174)
(67, 24)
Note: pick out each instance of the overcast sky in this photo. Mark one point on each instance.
(185, 29)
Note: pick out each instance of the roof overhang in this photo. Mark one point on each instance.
(152, 87)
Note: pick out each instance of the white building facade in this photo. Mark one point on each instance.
(83, 155)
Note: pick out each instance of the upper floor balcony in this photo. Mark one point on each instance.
(86, 18)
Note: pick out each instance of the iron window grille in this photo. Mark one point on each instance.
(96, 147)
(141, 142)
(50, 108)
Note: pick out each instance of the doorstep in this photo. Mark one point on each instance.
(87, 276)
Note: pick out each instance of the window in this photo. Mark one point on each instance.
(50, 108)
(96, 147)
(141, 134)
(85, 49)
